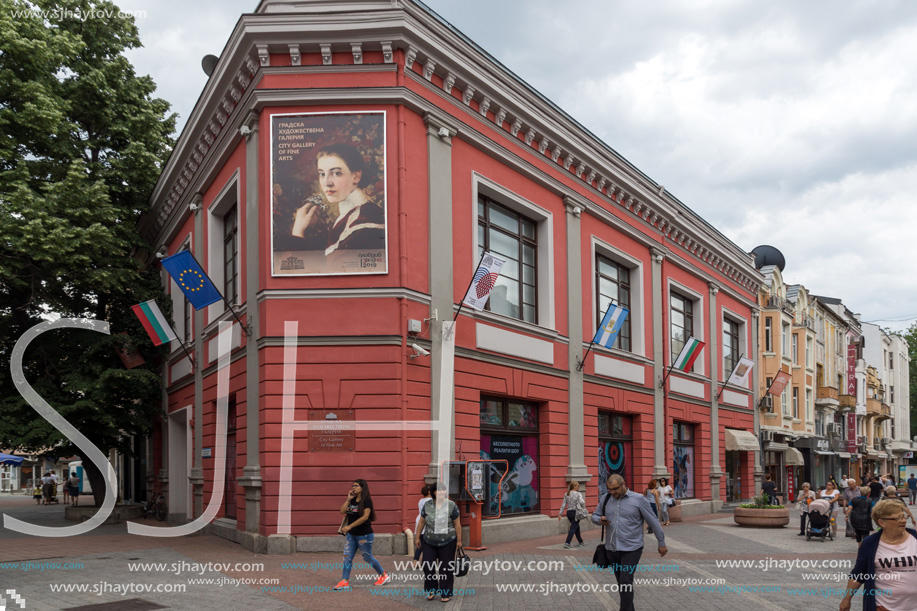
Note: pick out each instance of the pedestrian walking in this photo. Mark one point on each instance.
(425, 496)
(666, 500)
(439, 544)
(883, 564)
(36, 493)
(875, 488)
(625, 512)
(770, 489)
(851, 492)
(857, 513)
(575, 505)
(74, 485)
(652, 495)
(891, 494)
(47, 488)
(831, 494)
(358, 533)
(803, 499)
(912, 488)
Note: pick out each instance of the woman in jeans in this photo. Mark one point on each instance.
(665, 497)
(576, 506)
(358, 533)
(438, 547)
(652, 495)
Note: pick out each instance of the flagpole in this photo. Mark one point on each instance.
(188, 354)
(462, 302)
(582, 363)
(245, 327)
(726, 381)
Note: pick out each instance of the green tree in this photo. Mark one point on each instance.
(911, 337)
(82, 142)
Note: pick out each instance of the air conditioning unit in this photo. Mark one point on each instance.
(767, 436)
(768, 401)
(835, 429)
(861, 439)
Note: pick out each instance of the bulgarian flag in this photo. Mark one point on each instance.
(154, 322)
(688, 354)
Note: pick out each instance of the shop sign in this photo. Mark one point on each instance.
(790, 483)
(851, 432)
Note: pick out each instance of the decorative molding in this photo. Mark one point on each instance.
(514, 129)
(263, 56)
(326, 54)
(468, 95)
(591, 177)
(484, 106)
(558, 151)
(428, 68)
(499, 117)
(543, 145)
(713, 287)
(409, 57)
(568, 161)
(601, 184)
(295, 56)
(448, 82)
(580, 170)
(387, 55)
(529, 136)
(357, 49)
(658, 255)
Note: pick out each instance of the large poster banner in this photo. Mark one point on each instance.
(328, 194)
(683, 472)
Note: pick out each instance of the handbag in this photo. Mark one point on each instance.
(341, 527)
(600, 557)
(462, 563)
(581, 512)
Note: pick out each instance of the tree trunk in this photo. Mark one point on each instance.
(96, 480)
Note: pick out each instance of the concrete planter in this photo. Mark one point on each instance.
(762, 518)
(675, 511)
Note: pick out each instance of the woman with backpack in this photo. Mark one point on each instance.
(439, 546)
(857, 514)
(576, 511)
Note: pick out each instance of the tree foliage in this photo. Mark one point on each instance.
(82, 142)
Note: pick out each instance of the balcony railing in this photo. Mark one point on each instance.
(826, 392)
(847, 401)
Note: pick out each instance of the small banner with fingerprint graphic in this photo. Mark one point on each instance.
(485, 278)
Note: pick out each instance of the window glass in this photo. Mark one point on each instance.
(512, 237)
(491, 413)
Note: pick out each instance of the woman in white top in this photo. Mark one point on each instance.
(803, 498)
(576, 511)
(425, 492)
(665, 497)
(831, 494)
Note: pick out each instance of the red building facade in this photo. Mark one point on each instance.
(456, 156)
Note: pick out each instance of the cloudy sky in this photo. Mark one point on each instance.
(780, 122)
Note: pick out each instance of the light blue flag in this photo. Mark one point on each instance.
(191, 279)
(611, 325)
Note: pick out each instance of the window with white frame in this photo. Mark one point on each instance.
(784, 401)
(182, 311)
(785, 340)
(795, 402)
(809, 404)
(521, 231)
(682, 322)
(613, 285)
(512, 236)
(808, 352)
(730, 345)
(224, 245)
(795, 349)
(768, 334)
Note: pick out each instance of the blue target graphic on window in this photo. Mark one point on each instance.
(614, 457)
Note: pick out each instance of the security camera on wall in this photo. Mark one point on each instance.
(418, 351)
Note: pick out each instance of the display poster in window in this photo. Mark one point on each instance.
(683, 472)
(328, 194)
(614, 458)
(519, 490)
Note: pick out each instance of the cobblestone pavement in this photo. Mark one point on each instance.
(712, 565)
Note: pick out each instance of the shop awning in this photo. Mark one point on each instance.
(882, 455)
(823, 453)
(794, 457)
(741, 441)
(775, 446)
(843, 454)
(872, 454)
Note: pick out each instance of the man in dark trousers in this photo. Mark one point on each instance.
(912, 488)
(770, 489)
(875, 489)
(623, 513)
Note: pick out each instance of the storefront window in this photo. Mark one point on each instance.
(683, 469)
(509, 431)
(615, 449)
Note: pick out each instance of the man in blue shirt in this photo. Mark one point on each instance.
(623, 512)
(912, 488)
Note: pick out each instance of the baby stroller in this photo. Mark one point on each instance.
(819, 521)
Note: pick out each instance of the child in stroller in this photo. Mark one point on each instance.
(819, 520)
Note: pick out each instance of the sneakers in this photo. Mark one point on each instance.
(566, 546)
(383, 579)
(581, 544)
(342, 585)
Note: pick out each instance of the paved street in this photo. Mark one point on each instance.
(695, 548)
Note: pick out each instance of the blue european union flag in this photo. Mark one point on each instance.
(191, 279)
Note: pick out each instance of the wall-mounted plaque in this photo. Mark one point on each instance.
(331, 430)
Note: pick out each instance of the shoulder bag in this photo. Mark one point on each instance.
(462, 563)
(600, 557)
(581, 512)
